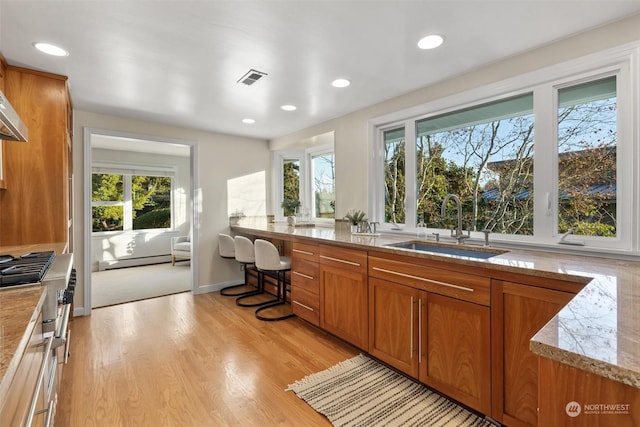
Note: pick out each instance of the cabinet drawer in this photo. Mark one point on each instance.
(304, 274)
(463, 286)
(305, 251)
(305, 305)
(342, 258)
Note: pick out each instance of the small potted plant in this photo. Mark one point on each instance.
(290, 208)
(355, 217)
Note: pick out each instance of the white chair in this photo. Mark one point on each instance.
(268, 260)
(180, 248)
(226, 245)
(245, 254)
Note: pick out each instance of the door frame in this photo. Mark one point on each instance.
(88, 133)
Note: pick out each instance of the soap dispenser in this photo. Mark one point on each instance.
(421, 229)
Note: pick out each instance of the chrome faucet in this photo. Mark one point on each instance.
(443, 211)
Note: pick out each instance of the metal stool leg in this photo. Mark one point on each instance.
(260, 291)
(228, 291)
(281, 287)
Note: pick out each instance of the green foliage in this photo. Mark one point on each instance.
(158, 218)
(355, 217)
(290, 206)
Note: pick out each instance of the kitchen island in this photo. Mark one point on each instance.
(596, 332)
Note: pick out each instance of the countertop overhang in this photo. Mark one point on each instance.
(598, 331)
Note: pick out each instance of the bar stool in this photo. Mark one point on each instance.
(245, 254)
(228, 250)
(268, 260)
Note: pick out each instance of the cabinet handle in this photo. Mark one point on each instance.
(303, 252)
(411, 327)
(41, 374)
(66, 347)
(422, 279)
(303, 306)
(420, 330)
(303, 275)
(357, 264)
(52, 404)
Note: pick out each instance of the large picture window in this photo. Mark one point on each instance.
(127, 201)
(536, 165)
(484, 155)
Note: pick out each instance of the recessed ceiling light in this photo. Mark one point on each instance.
(340, 83)
(50, 49)
(289, 107)
(248, 121)
(430, 42)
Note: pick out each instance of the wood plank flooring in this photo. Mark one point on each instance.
(185, 360)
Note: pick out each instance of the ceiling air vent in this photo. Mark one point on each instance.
(251, 77)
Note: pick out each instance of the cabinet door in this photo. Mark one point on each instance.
(519, 311)
(343, 304)
(393, 324)
(456, 350)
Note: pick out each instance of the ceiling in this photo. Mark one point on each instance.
(178, 62)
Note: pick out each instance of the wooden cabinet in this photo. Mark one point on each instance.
(36, 201)
(305, 282)
(344, 294)
(602, 402)
(518, 312)
(456, 349)
(394, 324)
(440, 336)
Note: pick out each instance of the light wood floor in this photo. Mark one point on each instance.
(185, 360)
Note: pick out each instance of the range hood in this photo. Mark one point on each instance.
(11, 127)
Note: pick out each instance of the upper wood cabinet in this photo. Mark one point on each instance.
(344, 294)
(36, 203)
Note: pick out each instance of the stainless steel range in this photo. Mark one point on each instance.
(56, 272)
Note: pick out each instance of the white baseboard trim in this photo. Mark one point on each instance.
(216, 287)
(133, 262)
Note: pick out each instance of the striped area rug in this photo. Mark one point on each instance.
(363, 392)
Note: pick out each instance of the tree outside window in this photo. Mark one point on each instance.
(147, 198)
(324, 178)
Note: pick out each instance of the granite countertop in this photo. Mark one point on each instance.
(598, 331)
(19, 309)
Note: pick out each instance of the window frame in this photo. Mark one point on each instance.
(307, 199)
(621, 62)
(128, 171)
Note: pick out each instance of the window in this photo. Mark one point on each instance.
(130, 201)
(587, 158)
(307, 176)
(290, 185)
(394, 176)
(545, 159)
(324, 178)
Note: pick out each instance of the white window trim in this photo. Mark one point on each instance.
(307, 199)
(622, 61)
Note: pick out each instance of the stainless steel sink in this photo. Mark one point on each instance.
(457, 250)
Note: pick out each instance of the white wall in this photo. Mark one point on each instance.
(118, 245)
(219, 158)
(351, 131)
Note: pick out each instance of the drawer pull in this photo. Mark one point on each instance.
(39, 383)
(303, 306)
(434, 282)
(303, 275)
(357, 264)
(303, 252)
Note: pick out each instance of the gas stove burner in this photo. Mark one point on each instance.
(29, 268)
